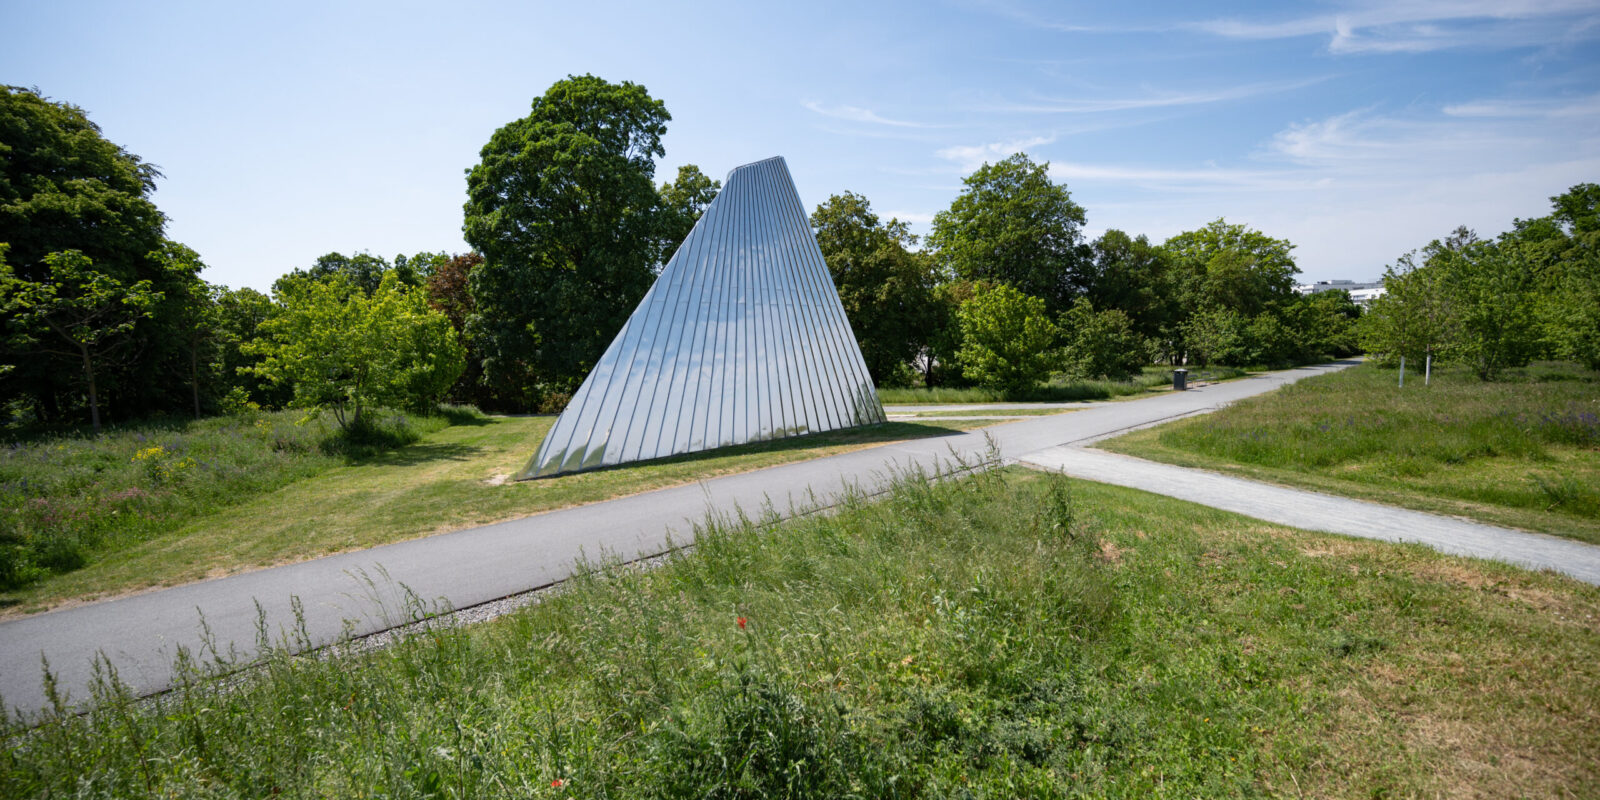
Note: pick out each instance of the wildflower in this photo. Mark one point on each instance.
(741, 621)
(557, 783)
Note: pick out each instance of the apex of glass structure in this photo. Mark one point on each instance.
(742, 338)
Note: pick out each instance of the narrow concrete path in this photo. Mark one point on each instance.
(367, 591)
(918, 409)
(1314, 511)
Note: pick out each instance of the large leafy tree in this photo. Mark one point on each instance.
(1232, 267)
(885, 287)
(1007, 339)
(682, 202)
(1565, 250)
(347, 351)
(1134, 276)
(75, 311)
(564, 209)
(1013, 225)
(64, 187)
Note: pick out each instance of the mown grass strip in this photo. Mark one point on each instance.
(1522, 452)
(1006, 635)
(1057, 391)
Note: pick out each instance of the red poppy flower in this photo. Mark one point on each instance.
(557, 783)
(741, 623)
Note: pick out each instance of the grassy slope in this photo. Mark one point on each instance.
(1005, 636)
(1524, 452)
(453, 478)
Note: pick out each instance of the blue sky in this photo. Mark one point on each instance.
(1356, 130)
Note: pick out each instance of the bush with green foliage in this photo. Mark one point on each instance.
(1008, 342)
(886, 288)
(1101, 344)
(348, 351)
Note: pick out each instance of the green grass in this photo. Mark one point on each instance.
(284, 504)
(1523, 452)
(1056, 391)
(65, 498)
(1009, 635)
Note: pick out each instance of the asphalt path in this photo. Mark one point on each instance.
(371, 590)
(1314, 511)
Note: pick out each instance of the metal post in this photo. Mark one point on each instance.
(1427, 371)
(1402, 372)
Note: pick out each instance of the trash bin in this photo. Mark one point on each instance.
(1180, 379)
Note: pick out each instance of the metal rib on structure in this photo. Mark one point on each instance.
(742, 338)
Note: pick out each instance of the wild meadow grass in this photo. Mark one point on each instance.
(1055, 391)
(1523, 451)
(316, 504)
(66, 497)
(1006, 635)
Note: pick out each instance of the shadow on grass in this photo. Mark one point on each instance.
(422, 453)
(868, 434)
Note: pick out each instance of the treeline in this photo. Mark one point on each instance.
(1532, 293)
(1006, 292)
(103, 316)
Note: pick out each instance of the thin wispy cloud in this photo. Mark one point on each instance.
(1518, 107)
(1423, 26)
(866, 115)
(1153, 99)
(970, 157)
(1200, 179)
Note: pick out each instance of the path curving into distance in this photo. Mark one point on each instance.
(365, 592)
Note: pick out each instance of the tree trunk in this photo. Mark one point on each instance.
(194, 376)
(94, 399)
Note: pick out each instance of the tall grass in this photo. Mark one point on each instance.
(1007, 635)
(66, 497)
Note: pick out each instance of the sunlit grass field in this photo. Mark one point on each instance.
(1007, 635)
(229, 494)
(1523, 452)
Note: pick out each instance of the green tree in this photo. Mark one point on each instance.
(1102, 344)
(1232, 267)
(191, 317)
(64, 187)
(1414, 317)
(1215, 335)
(682, 202)
(1494, 307)
(1007, 339)
(235, 319)
(447, 291)
(346, 351)
(362, 271)
(885, 287)
(76, 311)
(564, 209)
(1324, 325)
(1013, 225)
(1565, 251)
(1135, 277)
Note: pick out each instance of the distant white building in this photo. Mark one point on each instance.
(1330, 286)
(1361, 293)
(1364, 297)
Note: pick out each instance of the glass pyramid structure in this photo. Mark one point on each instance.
(741, 339)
